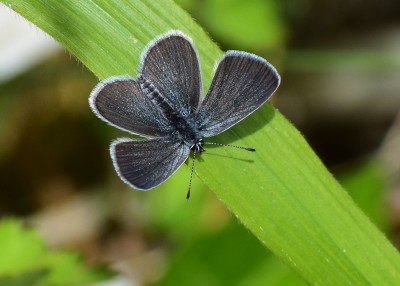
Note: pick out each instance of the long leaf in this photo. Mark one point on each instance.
(282, 193)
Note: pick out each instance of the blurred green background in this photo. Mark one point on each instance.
(340, 68)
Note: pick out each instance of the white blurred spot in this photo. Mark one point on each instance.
(22, 45)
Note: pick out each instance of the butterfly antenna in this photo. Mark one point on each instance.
(191, 176)
(228, 145)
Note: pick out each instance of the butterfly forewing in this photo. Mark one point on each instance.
(241, 84)
(144, 164)
(170, 63)
(120, 102)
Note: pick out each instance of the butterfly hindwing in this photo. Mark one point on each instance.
(144, 164)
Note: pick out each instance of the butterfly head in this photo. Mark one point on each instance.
(198, 146)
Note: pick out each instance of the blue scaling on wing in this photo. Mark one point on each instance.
(241, 84)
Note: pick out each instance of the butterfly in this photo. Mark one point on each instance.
(164, 104)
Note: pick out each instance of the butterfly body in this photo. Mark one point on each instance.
(164, 104)
(184, 129)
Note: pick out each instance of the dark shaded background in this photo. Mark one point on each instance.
(340, 67)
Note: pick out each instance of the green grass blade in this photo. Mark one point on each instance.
(282, 193)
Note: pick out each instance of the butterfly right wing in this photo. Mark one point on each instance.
(120, 102)
(241, 84)
(144, 164)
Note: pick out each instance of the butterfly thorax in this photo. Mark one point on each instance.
(183, 121)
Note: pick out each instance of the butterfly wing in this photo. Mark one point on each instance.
(120, 102)
(241, 84)
(171, 64)
(144, 164)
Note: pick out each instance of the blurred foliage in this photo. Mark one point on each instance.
(347, 61)
(253, 25)
(44, 128)
(205, 256)
(366, 184)
(214, 260)
(25, 260)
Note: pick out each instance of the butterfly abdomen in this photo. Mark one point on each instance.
(151, 92)
(185, 125)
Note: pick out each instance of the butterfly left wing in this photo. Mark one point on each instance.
(171, 64)
(120, 102)
(241, 84)
(144, 164)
